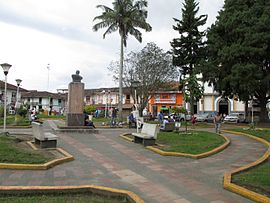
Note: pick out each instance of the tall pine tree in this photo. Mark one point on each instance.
(239, 52)
(189, 48)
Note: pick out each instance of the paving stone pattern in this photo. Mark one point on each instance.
(106, 159)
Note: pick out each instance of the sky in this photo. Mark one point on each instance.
(35, 33)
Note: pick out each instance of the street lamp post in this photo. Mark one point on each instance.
(18, 81)
(17, 104)
(6, 68)
(182, 86)
(110, 100)
(106, 101)
(135, 84)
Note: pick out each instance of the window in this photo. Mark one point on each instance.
(13, 96)
(164, 96)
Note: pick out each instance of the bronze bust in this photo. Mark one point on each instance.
(76, 77)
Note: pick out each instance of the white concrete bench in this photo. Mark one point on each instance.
(43, 139)
(148, 134)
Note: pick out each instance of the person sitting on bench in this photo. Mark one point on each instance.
(88, 122)
(131, 120)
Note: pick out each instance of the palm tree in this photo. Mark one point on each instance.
(125, 16)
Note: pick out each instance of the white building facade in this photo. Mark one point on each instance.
(211, 101)
(45, 101)
(11, 96)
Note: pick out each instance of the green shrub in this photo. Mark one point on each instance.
(1, 111)
(89, 109)
(22, 111)
(179, 110)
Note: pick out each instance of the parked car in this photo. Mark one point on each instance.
(210, 117)
(205, 117)
(235, 118)
(180, 117)
(201, 117)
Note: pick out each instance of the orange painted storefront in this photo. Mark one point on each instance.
(163, 100)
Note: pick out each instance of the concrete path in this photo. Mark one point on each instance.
(106, 159)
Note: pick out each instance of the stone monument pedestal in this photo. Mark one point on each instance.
(75, 116)
(75, 119)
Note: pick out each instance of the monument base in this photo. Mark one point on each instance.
(75, 119)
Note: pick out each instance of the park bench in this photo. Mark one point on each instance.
(168, 127)
(43, 139)
(148, 134)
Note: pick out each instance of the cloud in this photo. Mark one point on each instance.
(29, 51)
(35, 33)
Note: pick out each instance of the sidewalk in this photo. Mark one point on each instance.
(107, 160)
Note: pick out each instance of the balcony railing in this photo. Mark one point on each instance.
(165, 101)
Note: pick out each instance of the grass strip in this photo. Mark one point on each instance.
(256, 179)
(195, 142)
(64, 198)
(12, 152)
(20, 121)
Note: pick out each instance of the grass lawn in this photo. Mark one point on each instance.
(196, 142)
(101, 120)
(51, 116)
(11, 121)
(257, 178)
(64, 198)
(13, 151)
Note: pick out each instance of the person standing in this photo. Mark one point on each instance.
(193, 121)
(114, 115)
(217, 122)
(161, 117)
(131, 120)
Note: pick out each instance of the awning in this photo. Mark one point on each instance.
(164, 108)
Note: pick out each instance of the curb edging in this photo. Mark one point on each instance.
(45, 166)
(178, 154)
(227, 184)
(91, 188)
(131, 196)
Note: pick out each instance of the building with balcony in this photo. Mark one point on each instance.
(45, 101)
(165, 101)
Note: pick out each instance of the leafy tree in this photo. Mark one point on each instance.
(152, 67)
(89, 109)
(239, 52)
(189, 48)
(192, 89)
(125, 16)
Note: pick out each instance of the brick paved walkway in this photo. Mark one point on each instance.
(106, 159)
